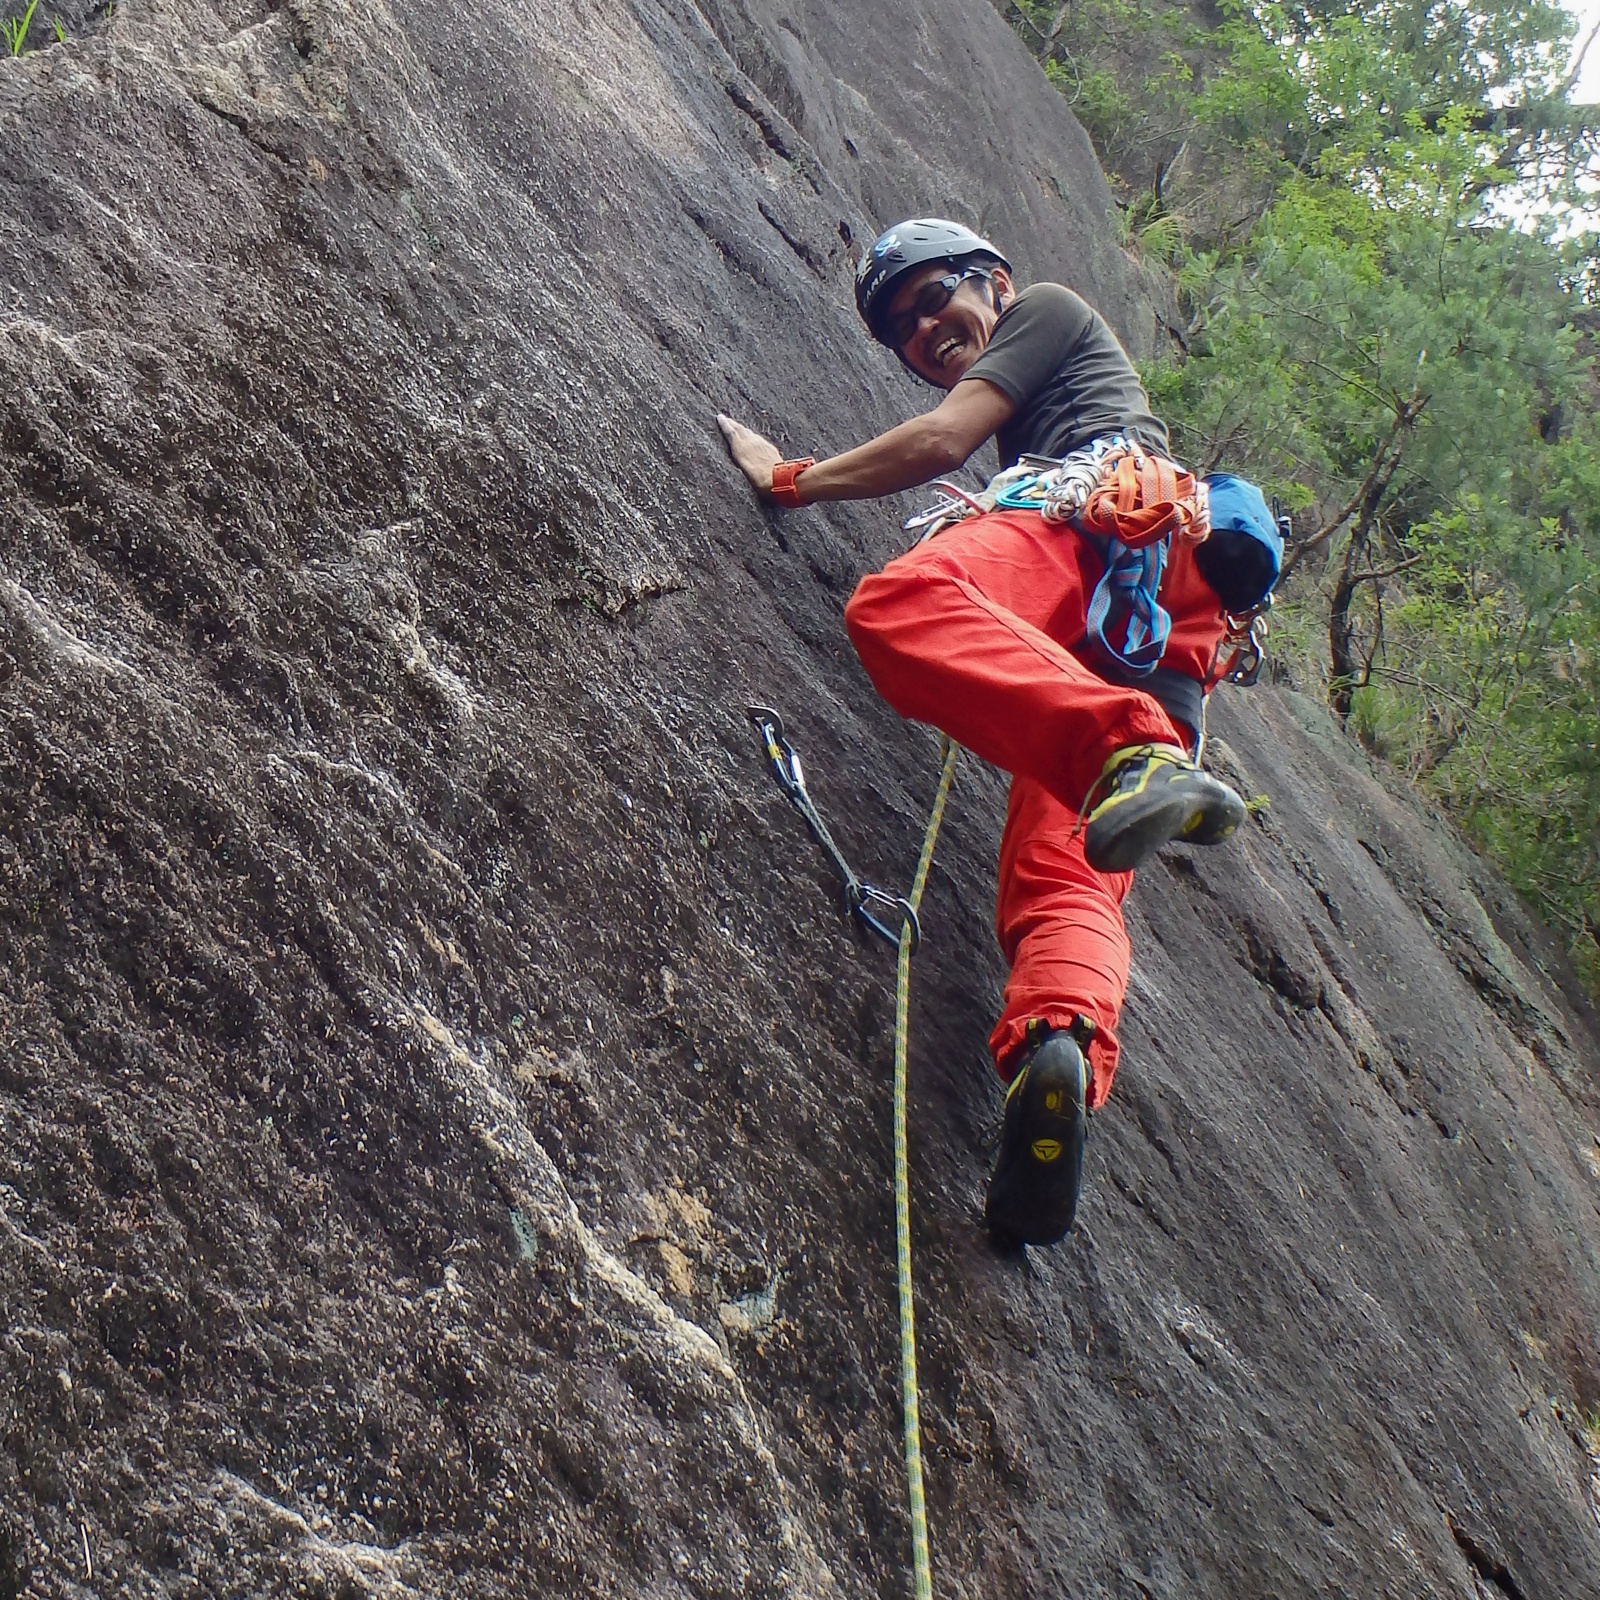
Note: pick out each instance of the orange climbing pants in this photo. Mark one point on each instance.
(973, 631)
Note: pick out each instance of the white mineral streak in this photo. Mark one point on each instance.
(53, 640)
(540, 1195)
(375, 1570)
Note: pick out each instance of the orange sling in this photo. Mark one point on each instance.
(1142, 498)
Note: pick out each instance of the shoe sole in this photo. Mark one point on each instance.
(1034, 1199)
(1138, 826)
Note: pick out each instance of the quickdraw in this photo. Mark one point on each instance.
(865, 903)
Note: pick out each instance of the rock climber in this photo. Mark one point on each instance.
(984, 632)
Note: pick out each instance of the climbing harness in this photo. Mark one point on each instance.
(1128, 503)
(1011, 489)
(865, 903)
(784, 762)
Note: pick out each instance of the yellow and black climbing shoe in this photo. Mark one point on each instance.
(1034, 1191)
(1150, 794)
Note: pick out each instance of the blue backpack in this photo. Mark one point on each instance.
(1244, 555)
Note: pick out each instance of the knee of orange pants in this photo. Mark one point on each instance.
(862, 608)
(1060, 926)
(874, 614)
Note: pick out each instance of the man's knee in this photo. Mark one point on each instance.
(871, 607)
(901, 592)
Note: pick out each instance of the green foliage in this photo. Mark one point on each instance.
(1408, 362)
(1094, 94)
(1086, 47)
(1151, 232)
(14, 30)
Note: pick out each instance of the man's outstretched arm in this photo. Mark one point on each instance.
(926, 447)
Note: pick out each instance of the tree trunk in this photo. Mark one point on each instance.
(1341, 629)
(1047, 48)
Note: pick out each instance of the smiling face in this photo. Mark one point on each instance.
(946, 342)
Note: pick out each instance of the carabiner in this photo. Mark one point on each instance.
(1028, 495)
(859, 895)
(780, 753)
(863, 901)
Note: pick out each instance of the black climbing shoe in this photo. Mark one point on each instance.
(1034, 1191)
(1150, 794)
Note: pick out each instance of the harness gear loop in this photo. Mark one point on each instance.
(921, 1567)
(864, 902)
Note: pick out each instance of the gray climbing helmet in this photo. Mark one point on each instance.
(902, 249)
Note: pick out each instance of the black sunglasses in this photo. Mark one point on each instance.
(931, 299)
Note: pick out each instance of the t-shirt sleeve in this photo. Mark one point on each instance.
(1031, 341)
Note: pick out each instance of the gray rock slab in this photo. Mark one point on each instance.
(444, 1124)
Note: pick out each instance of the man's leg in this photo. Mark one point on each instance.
(969, 631)
(1060, 926)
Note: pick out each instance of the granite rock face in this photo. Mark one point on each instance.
(443, 1121)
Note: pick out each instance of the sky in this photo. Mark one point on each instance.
(1587, 89)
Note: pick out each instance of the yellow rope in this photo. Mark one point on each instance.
(921, 1571)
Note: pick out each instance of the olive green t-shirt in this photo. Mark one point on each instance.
(1053, 355)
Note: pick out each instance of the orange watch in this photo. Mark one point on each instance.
(783, 476)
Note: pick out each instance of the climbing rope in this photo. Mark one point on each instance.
(860, 898)
(921, 1570)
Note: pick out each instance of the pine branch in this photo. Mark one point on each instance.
(1387, 572)
(1373, 485)
(1577, 64)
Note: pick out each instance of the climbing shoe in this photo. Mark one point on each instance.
(1034, 1191)
(1150, 794)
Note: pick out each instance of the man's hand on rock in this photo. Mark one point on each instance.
(754, 456)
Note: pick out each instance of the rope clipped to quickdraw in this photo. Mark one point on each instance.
(865, 902)
(921, 1569)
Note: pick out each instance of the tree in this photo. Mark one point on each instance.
(1405, 358)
